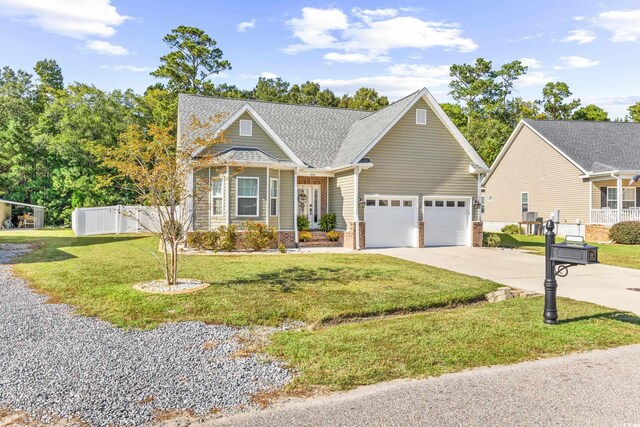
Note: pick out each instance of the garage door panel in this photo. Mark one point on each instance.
(391, 222)
(446, 222)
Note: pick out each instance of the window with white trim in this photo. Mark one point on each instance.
(628, 198)
(246, 127)
(524, 202)
(217, 197)
(612, 198)
(421, 116)
(273, 197)
(247, 196)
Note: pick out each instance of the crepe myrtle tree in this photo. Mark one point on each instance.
(160, 173)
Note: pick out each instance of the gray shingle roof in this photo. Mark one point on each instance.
(595, 146)
(252, 155)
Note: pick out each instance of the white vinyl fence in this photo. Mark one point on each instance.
(113, 220)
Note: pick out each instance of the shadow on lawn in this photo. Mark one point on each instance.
(613, 315)
(49, 249)
(287, 280)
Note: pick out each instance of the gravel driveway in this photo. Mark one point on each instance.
(54, 363)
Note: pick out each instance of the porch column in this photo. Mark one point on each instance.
(620, 198)
(295, 204)
(226, 180)
(356, 197)
(267, 198)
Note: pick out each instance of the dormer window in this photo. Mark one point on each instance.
(246, 127)
(421, 116)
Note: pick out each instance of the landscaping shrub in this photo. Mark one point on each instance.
(626, 233)
(333, 235)
(282, 248)
(511, 229)
(228, 237)
(491, 240)
(258, 237)
(304, 236)
(327, 222)
(203, 240)
(303, 223)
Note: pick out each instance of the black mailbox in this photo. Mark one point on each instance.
(574, 252)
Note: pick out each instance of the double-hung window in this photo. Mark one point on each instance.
(273, 197)
(628, 198)
(217, 192)
(612, 197)
(247, 196)
(524, 202)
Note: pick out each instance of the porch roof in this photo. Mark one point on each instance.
(243, 155)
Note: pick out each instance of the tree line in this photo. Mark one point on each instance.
(52, 134)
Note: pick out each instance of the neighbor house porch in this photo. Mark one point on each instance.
(614, 200)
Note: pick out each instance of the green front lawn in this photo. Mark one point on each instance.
(443, 341)
(611, 254)
(96, 275)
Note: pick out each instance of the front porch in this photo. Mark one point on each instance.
(610, 217)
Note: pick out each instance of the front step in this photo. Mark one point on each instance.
(318, 244)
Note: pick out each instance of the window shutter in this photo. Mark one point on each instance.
(637, 196)
(603, 197)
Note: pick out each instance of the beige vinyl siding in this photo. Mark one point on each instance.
(341, 198)
(553, 182)
(418, 160)
(286, 200)
(259, 139)
(201, 200)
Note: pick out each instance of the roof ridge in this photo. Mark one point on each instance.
(528, 119)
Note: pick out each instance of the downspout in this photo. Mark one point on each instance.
(479, 218)
(227, 179)
(295, 204)
(268, 198)
(620, 198)
(356, 201)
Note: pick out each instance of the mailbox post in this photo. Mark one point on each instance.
(558, 258)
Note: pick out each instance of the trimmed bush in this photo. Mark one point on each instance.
(327, 222)
(303, 223)
(491, 240)
(228, 237)
(626, 233)
(282, 248)
(511, 229)
(258, 237)
(333, 235)
(304, 236)
(203, 240)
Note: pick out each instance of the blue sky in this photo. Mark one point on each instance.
(394, 46)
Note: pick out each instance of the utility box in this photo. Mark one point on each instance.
(574, 253)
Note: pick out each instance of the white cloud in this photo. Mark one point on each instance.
(534, 78)
(131, 68)
(531, 63)
(400, 80)
(624, 24)
(356, 57)
(72, 18)
(244, 26)
(578, 62)
(579, 18)
(105, 48)
(371, 33)
(268, 75)
(580, 36)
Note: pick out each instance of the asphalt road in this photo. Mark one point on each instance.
(600, 388)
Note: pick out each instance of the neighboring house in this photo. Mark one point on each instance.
(392, 171)
(580, 168)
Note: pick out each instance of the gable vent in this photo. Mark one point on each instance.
(246, 127)
(421, 116)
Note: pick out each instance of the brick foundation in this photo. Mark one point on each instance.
(596, 233)
(349, 236)
(476, 236)
(287, 238)
(421, 234)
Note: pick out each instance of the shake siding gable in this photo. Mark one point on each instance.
(531, 165)
(259, 139)
(418, 160)
(341, 198)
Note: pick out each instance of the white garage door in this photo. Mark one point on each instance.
(391, 221)
(447, 222)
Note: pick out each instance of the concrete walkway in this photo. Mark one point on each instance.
(599, 388)
(600, 284)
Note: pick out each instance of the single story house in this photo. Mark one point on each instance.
(403, 176)
(24, 215)
(581, 168)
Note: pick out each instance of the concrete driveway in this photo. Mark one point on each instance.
(600, 284)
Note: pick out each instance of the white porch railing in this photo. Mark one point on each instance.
(610, 216)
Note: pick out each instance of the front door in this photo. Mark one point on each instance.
(309, 204)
